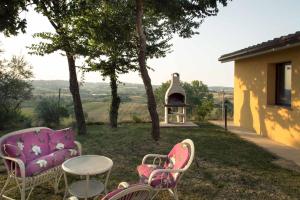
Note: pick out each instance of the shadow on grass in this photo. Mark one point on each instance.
(225, 166)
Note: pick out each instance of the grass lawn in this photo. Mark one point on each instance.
(225, 166)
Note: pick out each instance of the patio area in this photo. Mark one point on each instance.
(225, 166)
(288, 153)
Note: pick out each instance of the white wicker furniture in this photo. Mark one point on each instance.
(130, 192)
(16, 168)
(87, 165)
(127, 192)
(166, 175)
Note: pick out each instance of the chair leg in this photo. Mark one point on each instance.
(175, 193)
(154, 194)
(23, 188)
(4, 187)
(56, 182)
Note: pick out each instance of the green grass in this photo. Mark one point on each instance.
(225, 167)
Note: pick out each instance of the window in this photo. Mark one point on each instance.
(283, 84)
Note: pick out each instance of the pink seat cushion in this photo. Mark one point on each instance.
(44, 163)
(62, 139)
(146, 170)
(177, 159)
(39, 165)
(159, 180)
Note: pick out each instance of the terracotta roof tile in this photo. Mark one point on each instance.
(270, 45)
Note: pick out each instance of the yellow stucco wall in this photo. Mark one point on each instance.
(252, 89)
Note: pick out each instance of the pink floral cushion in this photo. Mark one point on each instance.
(62, 155)
(44, 163)
(36, 144)
(62, 139)
(39, 165)
(32, 144)
(14, 152)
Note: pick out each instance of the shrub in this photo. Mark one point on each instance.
(136, 119)
(13, 119)
(15, 88)
(49, 112)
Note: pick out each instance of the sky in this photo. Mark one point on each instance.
(242, 23)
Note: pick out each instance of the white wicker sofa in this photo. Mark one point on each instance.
(34, 156)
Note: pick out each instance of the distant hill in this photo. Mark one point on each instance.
(220, 88)
(51, 87)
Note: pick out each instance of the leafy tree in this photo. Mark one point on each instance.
(10, 21)
(107, 42)
(160, 92)
(198, 97)
(59, 14)
(110, 43)
(50, 112)
(15, 88)
(173, 16)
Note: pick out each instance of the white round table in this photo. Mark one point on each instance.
(87, 165)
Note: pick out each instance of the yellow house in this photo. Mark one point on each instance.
(267, 88)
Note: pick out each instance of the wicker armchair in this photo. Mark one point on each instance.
(129, 192)
(165, 171)
(34, 156)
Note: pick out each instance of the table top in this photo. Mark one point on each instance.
(87, 165)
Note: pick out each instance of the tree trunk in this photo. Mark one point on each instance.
(74, 89)
(115, 101)
(144, 72)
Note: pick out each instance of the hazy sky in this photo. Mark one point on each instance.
(240, 24)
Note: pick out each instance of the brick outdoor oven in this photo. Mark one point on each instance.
(175, 101)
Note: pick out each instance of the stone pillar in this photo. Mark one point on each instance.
(184, 115)
(179, 115)
(166, 115)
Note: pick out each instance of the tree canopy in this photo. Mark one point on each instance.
(59, 14)
(10, 20)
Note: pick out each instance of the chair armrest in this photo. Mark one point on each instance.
(79, 147)
(155, 156)
(123, 185)
(19, 162)
(165, 171)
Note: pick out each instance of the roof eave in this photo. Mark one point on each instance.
(243, 55)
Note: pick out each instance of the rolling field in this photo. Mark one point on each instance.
(99, 112)
(96, 101)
